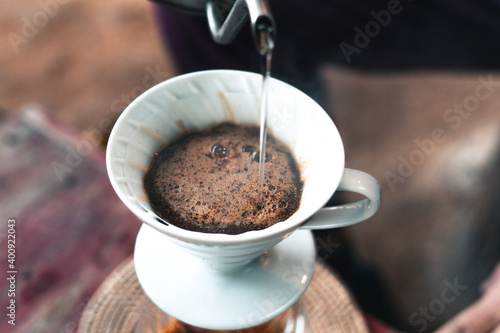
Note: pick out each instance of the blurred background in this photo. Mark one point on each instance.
(415, 95)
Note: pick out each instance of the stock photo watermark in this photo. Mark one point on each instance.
(421, 318)
(373, 28)
(325, 247)
(293, 279)
(453, 119)
(92, 138)
(11, 270)
(30, 25)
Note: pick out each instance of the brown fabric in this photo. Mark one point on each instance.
(115, 305)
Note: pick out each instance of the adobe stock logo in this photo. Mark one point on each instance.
(437, 306)
(32, 25)
(372, 29)
(92, 138)
(453, 119)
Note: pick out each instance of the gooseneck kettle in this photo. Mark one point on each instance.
(227, 17)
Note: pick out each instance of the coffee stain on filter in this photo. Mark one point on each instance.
(137, 166)
(229, 108)
(181, 125)
(154, 134)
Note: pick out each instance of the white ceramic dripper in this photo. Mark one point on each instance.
(214, 280)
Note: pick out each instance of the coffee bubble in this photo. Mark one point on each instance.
(256, 156)
(248, 149)
(219, 150)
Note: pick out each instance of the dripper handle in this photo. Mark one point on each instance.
(351, 213)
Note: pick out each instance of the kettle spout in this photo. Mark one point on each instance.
(224, 31)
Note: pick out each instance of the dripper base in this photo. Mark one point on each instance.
(191, 290)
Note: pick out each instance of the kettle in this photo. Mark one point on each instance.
(224, 28)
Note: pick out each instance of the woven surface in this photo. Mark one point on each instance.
(329, 306)
(114, 306)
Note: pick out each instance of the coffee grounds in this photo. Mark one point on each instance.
(208, 181)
